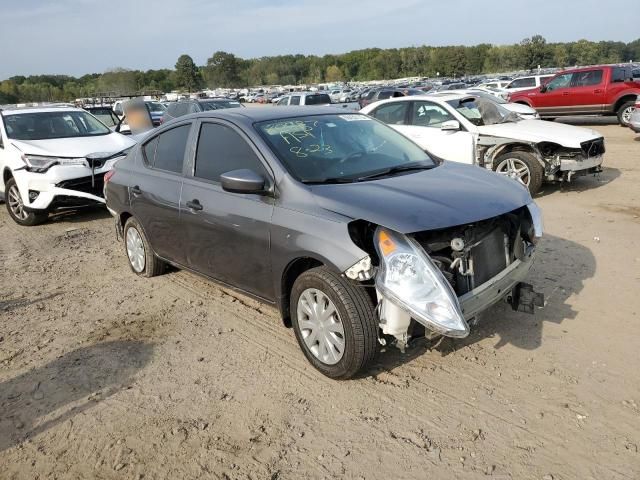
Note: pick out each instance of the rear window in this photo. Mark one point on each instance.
(166, 151)
(319, 99)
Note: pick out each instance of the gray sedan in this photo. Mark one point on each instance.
(358, 236)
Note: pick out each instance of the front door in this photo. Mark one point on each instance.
(424, 128)
(226, 234)
(557, 98)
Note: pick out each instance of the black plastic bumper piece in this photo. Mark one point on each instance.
(524, 298)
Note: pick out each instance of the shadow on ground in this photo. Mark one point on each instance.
(80, 215)
(561, 268)
(42, 398)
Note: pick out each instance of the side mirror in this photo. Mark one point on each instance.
(543, 88)
(242, 181)
(450, 126)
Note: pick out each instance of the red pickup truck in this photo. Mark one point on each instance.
(601, 90)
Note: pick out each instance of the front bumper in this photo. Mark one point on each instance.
(492, 291)
(62, 186)
(571, 165)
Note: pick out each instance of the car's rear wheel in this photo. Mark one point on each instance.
(625, 112)
(521, 166)
(334, 322)
(16, 209)
(142, 260)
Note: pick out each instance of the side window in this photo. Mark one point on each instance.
(193, 108)
(221, 150)
(523, 83)
(384, 95)
(392, 113)
(561, 81)
(169, 154)
(283, 102)
(586, 79)
(295, 100)
(398, 94)
(118, 109)
(149, 151)
(427, 114)
(619, 74)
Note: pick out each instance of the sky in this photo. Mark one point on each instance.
(75, 37)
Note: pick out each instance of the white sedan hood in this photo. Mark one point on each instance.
(75, 147)
(536, 131)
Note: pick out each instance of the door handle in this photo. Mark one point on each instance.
(135, 190)
(195, 205)
(597, 90)
(565, 93)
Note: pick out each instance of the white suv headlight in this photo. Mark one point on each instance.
(408, 278)
(39, 162)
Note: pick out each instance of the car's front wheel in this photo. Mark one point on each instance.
(16, 209)
(521, 166)
(334, 322)
(142, 260)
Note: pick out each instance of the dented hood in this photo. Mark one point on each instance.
(449, 195)
(535, 131)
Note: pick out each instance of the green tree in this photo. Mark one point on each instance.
(223, 70)
(535, 52)
(333, 74)
(187, 74)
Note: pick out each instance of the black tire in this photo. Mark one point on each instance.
(26, 219)
(357, 315)
(536, 172)
(621, 112)
(152, 265)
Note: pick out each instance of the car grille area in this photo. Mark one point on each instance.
(85, 184)
(470, 255)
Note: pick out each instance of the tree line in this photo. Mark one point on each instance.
(225, 69)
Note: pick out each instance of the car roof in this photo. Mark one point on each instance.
(39, 109)
(261, 114)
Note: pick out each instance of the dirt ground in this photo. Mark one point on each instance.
(106, 375)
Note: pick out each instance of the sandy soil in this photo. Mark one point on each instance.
(106, 375)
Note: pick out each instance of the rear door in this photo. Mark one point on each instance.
(587, 91)
(155, 195)
(226, 235)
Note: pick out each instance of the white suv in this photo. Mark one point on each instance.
(52, 158)
(525, 83)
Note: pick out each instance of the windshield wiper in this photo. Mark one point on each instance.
(393, 170)
(324, 181)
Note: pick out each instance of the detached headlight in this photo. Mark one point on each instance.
(42, 163)
(409, 278)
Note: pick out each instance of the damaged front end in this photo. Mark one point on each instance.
(558, 162)
(442, 279)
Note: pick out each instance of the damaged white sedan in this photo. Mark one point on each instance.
(468, 129)
(54, 158)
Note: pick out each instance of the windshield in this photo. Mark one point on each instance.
(481, 111)
(488, 96)
(156, 107)
(339, 148)
(220, 104)
(49, 125)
